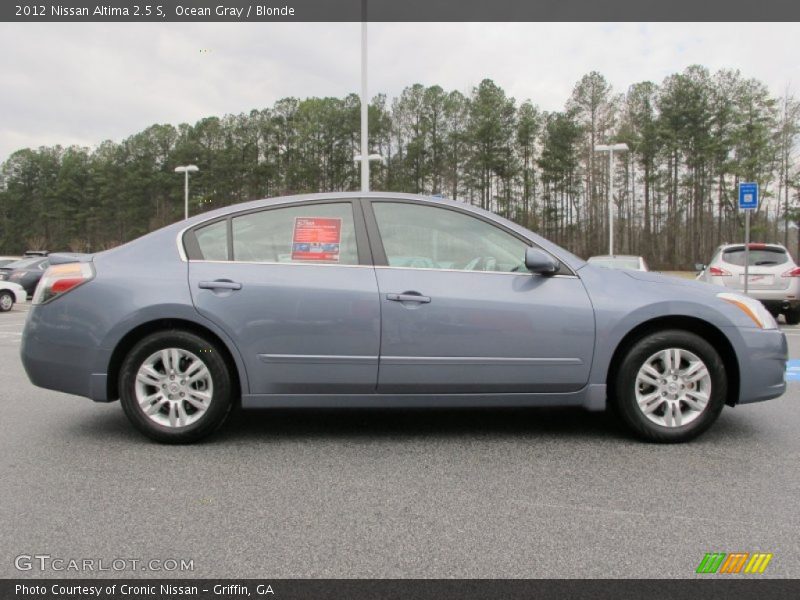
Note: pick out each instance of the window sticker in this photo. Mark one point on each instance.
(316, 239)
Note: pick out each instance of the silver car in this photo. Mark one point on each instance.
(387, 300)
(773, 276)
(619, 261)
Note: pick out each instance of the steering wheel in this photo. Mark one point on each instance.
(481, 263)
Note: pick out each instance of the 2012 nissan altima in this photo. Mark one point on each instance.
(387, 300)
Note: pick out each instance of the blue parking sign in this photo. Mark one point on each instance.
(748, 196)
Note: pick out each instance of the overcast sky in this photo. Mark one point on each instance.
(84, 83)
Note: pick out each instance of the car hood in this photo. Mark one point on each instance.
(650, 277)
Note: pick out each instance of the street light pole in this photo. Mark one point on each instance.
(186, 170)
(364, 105)
(610, 149)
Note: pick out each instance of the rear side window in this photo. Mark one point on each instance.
(764, 257)
(213, 241)
(308, 233)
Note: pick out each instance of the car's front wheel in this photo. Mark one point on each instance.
(6, 301)
(670, 387)
(175, 387)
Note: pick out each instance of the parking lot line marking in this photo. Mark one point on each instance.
(793, 370)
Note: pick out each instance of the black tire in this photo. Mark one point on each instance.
(6, 301)
(624, 386)
(792, 316)
(218, 407)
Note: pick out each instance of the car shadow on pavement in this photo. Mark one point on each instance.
(375, 424)
(267, 426)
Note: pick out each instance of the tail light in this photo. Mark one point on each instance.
(717, 272)
(59, 279)
(792, 272)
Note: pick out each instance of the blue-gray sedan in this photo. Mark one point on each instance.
(387, 300)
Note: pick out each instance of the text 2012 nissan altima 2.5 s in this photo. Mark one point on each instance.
(387, 300)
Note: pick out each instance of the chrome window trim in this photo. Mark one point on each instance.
(283, 264)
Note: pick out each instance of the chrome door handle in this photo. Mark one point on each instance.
(408, 297)
(219, 285)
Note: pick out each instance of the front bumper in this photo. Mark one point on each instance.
(762, 356)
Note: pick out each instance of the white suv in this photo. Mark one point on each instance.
(774, 277)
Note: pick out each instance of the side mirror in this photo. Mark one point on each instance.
(699, 267)
(540, 262)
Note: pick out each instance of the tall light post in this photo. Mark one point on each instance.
(364, 105)
(186, 170)
(365, 157)
(611, 148)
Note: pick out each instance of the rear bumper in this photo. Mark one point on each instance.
(790, 293)
(56, 361)
(762, 364)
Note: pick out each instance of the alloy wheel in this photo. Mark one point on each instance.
(174, 387)
(673, 387)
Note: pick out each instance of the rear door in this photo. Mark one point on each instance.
(460, 312)
(294, 287)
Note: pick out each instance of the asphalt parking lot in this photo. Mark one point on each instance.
(476, 494)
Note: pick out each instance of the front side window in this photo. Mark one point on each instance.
(308, 233)
(429, 237)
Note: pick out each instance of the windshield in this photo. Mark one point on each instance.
(629, 262)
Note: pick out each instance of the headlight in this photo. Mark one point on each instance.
(752, 308)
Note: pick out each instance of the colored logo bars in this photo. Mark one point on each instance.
(735, 562)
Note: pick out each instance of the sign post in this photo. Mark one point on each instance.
(748, 201)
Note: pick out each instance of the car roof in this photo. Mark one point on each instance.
(753, 246)
(613, 256)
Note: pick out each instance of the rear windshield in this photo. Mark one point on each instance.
(762, 257)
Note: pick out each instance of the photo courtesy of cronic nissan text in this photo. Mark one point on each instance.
(382, 299)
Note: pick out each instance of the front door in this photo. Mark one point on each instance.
(461, 314)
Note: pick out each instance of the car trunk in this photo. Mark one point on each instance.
(765, 272)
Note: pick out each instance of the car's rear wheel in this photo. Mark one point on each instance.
(175, 387)
(670, 387)
(792, 315)
(6, 301)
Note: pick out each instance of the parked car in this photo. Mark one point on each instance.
(9, 294)
(774, 277)
(317, 301)
(6, 260)
(26, 272)
(619, 261)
